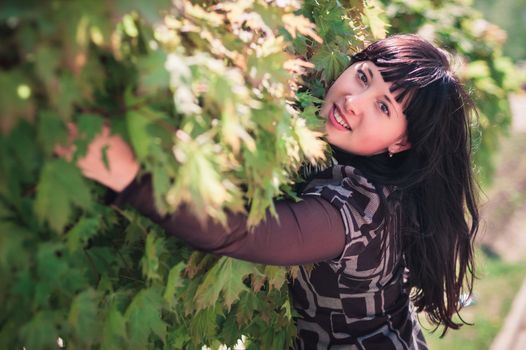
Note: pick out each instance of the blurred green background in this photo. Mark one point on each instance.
(510, 15)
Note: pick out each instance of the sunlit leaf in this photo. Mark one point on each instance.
(330, 62)
(155, 247)
(374, 18)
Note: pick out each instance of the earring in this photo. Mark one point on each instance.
(390, 154)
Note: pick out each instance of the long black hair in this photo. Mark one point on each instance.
(439, 210)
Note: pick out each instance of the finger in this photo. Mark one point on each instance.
(72, 128)
(65, 152)
(106, 132)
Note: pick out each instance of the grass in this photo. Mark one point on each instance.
(494, 291)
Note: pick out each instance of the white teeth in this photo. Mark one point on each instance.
(340, 120)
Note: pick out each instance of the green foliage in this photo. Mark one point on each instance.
(60, 189)
(508, 15)
(230, 284)
(345, 30)
(143, 317)
(206, 96)
(219, 102)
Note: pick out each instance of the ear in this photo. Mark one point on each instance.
(399, 145)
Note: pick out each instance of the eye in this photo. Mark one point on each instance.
(362, 76)
(385, 109)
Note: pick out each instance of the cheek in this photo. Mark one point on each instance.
(337, 89)
(328, 101)
(377, 137)
(371, 146)
(324, 110)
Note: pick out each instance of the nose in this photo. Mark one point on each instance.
(354, 104)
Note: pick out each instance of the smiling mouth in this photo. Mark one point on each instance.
(338, 119)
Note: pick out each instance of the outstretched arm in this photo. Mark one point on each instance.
(307, 232)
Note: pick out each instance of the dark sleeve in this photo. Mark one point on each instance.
(305, 232)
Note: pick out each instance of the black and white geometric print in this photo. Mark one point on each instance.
(357, 301)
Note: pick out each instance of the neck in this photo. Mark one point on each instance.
(379, 168)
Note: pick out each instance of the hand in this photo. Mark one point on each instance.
(122, 165)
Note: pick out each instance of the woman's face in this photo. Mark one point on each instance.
(362, 115)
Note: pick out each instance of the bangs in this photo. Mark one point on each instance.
(408, 79)
(402, 88)
(413, 66)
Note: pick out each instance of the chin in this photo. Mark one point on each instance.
(337, 144)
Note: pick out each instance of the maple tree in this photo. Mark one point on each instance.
(218, 100)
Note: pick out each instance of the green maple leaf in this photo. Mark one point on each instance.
(143, 317)
(203, 326)
(155, 247)
(287, 308)
(248, 304)
(23, 155)
(161, 185)
(179, 336)
(23, 286)
(46, 61)
(331, 21)
(226, 278)
(8, 332)
(279, 340)
(138, 123)
(114, 330)
(88, 126)
(83, 316)
(13, 254)
(51, 268)
(40, 332)
(374, 15)
(68, 94)
(174, 282)
(83, 230)
(331, 62)
(230, 332)
(51, 131)
(276, 275)
(60, 188)
(152, 78)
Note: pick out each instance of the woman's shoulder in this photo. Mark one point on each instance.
(344, 185)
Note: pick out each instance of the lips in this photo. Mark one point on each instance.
(334, 120)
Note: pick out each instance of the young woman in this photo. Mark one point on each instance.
(386, 224)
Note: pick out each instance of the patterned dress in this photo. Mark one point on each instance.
(358, 300)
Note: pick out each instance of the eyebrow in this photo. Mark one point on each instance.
(371, 76)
